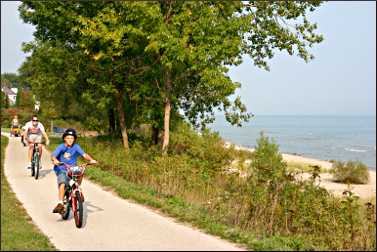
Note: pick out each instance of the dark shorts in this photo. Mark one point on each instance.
(62, 177)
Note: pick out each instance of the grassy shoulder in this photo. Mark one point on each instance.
(17, 230)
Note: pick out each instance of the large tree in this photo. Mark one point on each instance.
(112, 45)
(157, 57)
(116, 38)
(196, 42)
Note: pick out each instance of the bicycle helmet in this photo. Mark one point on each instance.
(70, 132)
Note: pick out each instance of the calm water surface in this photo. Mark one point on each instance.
(323, 137)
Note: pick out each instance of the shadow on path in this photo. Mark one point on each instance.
(43, 172)
(90, 208)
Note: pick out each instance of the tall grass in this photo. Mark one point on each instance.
(268, 203)
(350, 172)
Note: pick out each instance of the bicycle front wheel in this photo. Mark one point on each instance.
(37, 166)
(32, 168)
(67, 205)
(78, 211)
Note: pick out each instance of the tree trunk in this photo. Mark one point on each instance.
(111, 121)
(122, 118)
(155, 133)
(167, 110)
(166, 126)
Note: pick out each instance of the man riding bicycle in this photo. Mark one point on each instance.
(67, 153)
(33, 131)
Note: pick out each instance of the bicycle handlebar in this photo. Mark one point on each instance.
(82, 165)
(74, 172)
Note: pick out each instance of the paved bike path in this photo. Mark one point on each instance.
(110, 223)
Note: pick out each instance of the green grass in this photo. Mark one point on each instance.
(17, 230)
(5, 130)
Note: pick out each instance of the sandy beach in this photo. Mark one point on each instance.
(363, 191)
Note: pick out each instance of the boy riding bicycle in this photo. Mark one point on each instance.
(67, 153)
(33, 132)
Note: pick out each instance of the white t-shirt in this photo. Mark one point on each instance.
(30, 129)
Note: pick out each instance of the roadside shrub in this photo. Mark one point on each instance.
(353, 172)
(267, 162)
(206, 150)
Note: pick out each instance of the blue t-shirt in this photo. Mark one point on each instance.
(67, 155)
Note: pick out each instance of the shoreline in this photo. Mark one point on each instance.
(365, 191)
(289, 157)
(295, 157)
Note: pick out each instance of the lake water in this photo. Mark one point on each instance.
(322, 137)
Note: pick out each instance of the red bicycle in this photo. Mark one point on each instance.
(73, 196)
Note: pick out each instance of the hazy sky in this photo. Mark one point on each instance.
(340, 80)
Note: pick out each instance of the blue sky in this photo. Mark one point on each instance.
(341, 80)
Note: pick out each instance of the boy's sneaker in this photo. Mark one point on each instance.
(59, 208)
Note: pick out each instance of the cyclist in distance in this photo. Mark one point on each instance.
(33, 132)
(15, 122)
(15, 126)
(67, 153)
